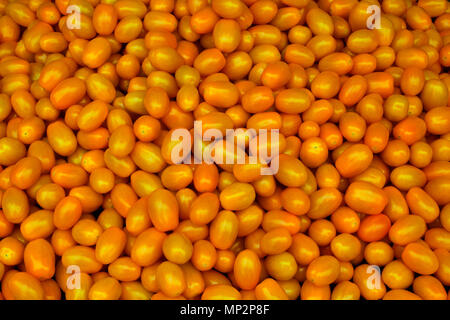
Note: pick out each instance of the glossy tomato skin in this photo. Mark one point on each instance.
(407, 229)
(374, 227)
(269, 289)
(24, 286)
(247, 268)
(420, 259)
(354, 160)
(397, 275)
(39, 258)
(365, 197)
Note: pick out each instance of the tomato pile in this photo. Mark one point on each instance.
(93, 207)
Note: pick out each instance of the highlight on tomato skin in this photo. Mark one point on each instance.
(225, 150)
